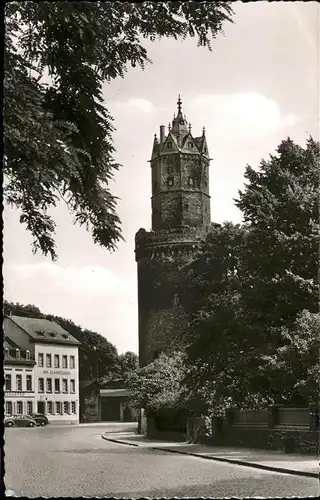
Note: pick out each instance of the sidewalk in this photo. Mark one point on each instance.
(301, 465)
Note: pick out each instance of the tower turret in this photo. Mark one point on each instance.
(180, 177)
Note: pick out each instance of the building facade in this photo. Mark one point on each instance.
(180, 205)
(105, 404)
(55, 370)
(19, 388)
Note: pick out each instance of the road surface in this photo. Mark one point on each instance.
(75, 461)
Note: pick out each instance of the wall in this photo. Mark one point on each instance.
(296, 430)
(162, 320)
(45, 372)
(90, 407)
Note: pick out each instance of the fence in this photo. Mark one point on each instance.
(293, 417)
(252, 418)
(276, 427)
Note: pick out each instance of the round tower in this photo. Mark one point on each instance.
(180, 217)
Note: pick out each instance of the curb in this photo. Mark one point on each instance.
(226, 460)
(243, 463)
(118, 441)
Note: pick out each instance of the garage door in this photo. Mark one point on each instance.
(110, 409)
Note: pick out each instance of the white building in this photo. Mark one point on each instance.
(56, 366)
(19, 379)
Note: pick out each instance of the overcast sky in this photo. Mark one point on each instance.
(259, 85)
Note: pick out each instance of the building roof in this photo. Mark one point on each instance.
(44, 330)
(9, 359)
(111, 393)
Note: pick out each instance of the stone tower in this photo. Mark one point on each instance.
(180, 217)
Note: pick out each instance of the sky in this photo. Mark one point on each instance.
(259, 85)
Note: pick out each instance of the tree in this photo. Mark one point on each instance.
(217, 337)
(294, 366)
(280, 203)
(129, 361)
(58, 135)
(250, 283)
(157, 387)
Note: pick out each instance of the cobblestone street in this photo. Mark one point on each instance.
(75, 461)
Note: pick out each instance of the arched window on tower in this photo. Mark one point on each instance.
(176, 299)
(27, 354)
(18, 353)
(190, 181)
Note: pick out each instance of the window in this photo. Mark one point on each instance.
(170, 181)
(66, 407)
(190, 181)
(186, 206)
(40, 359)
(40, 385)
(56, 385)
(27, 354)
(49, 384)
(6, 353)
(19, 407)
(8, 407)
(18, 353)
(73, 407)
(169, 145)
(64, 361)
(29, 383)
(56, 361)
(72, 386)
(176, 299)
(58, 407)
(50, 407)
(29, 408)
(64, 385)
(8, 382)
(190, 145)
(170, 169)
(18, 382)
(72, 362)
(48, 361)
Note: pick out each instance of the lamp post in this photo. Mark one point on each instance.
(96, 360)
(98, 408)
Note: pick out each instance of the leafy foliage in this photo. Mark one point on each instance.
(249, 286)
(158, 386)
(98, 358)
(296, 363)
(58, 135)
(129, 361)
(281, 205)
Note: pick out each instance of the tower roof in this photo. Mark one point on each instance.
(179, 123)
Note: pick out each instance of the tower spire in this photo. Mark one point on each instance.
(179, 104)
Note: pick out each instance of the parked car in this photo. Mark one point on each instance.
(40, 419)
(19, 421)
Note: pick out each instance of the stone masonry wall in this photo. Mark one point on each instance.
(162, 320)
